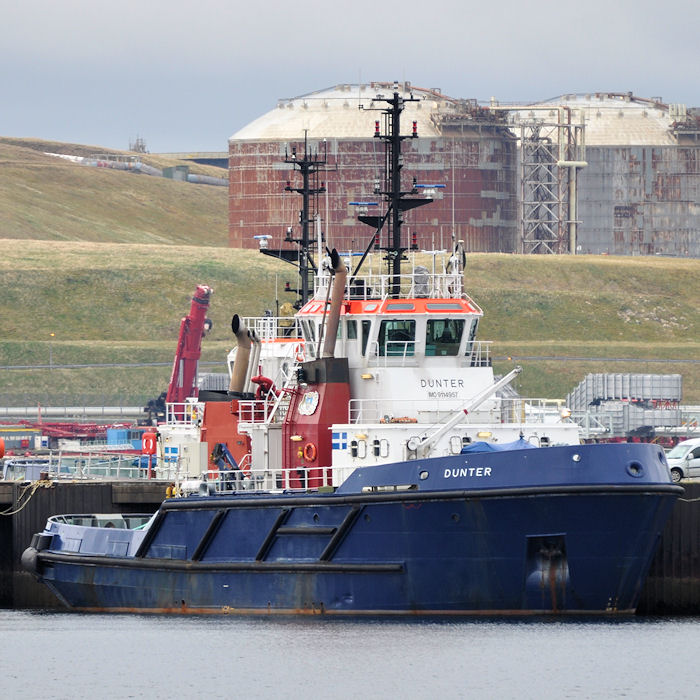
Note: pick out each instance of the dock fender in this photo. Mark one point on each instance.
(30, 561)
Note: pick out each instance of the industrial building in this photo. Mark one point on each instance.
(465, 160)
(605, 173)
(637, 175)
(618, 405)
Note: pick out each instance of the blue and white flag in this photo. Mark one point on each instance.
(339, 440)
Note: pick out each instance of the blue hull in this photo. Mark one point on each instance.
(577, 542)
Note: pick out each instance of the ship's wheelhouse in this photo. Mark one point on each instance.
(397, 330)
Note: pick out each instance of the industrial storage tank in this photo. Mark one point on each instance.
(465, 159)
(639, 193)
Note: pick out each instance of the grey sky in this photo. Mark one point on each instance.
(186, 75)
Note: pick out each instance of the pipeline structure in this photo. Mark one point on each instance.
(134, 165)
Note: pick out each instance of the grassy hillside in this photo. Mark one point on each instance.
(47, 198)
(122, 303)
(106, 261)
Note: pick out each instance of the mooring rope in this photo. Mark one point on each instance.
(30, 489)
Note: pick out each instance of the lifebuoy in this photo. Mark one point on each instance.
(309, 452)
(299, 352)
(148, 443)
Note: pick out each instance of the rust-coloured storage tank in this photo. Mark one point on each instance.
(639, 193)
(466, 151)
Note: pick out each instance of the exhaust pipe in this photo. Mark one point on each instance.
(337, 294)
(240, 365)
(253, 364)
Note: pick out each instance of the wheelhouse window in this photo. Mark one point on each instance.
(443, 336)
(397, 337)
(366, 327)
(309, 330)
(472, 334)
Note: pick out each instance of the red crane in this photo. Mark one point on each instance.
(193, 328)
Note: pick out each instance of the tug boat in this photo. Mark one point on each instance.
(365, 460)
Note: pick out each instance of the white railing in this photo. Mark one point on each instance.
(432, 411)
(245, 479)
(426, 285)
(402, 353)
(273, 327)
(115, 520)
(258, 411)
(538, 411)
(396, 353)
(186, 413)
(478, 353)
(104, 447)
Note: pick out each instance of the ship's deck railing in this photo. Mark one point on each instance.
(395, 353)
(186, 413)
(103, 446)
(297, 479)
(273, 406)
(438, 410)
(403, 353)
(424, 285)
(258, 411)
(108, 520)
(273, 327)
(478, 353)
(265, 410)
(424, 411)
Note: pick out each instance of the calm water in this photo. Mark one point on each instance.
(68, 655)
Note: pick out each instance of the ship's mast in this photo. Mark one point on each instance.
(309, 166)
(394, 196)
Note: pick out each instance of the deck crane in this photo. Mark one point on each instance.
(193, 327)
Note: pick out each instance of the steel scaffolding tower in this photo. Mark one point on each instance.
(551, 154)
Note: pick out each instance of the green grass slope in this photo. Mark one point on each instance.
(43, 197)
(560, 317)
(107, 261)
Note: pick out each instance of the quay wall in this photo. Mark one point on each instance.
(673, 584)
